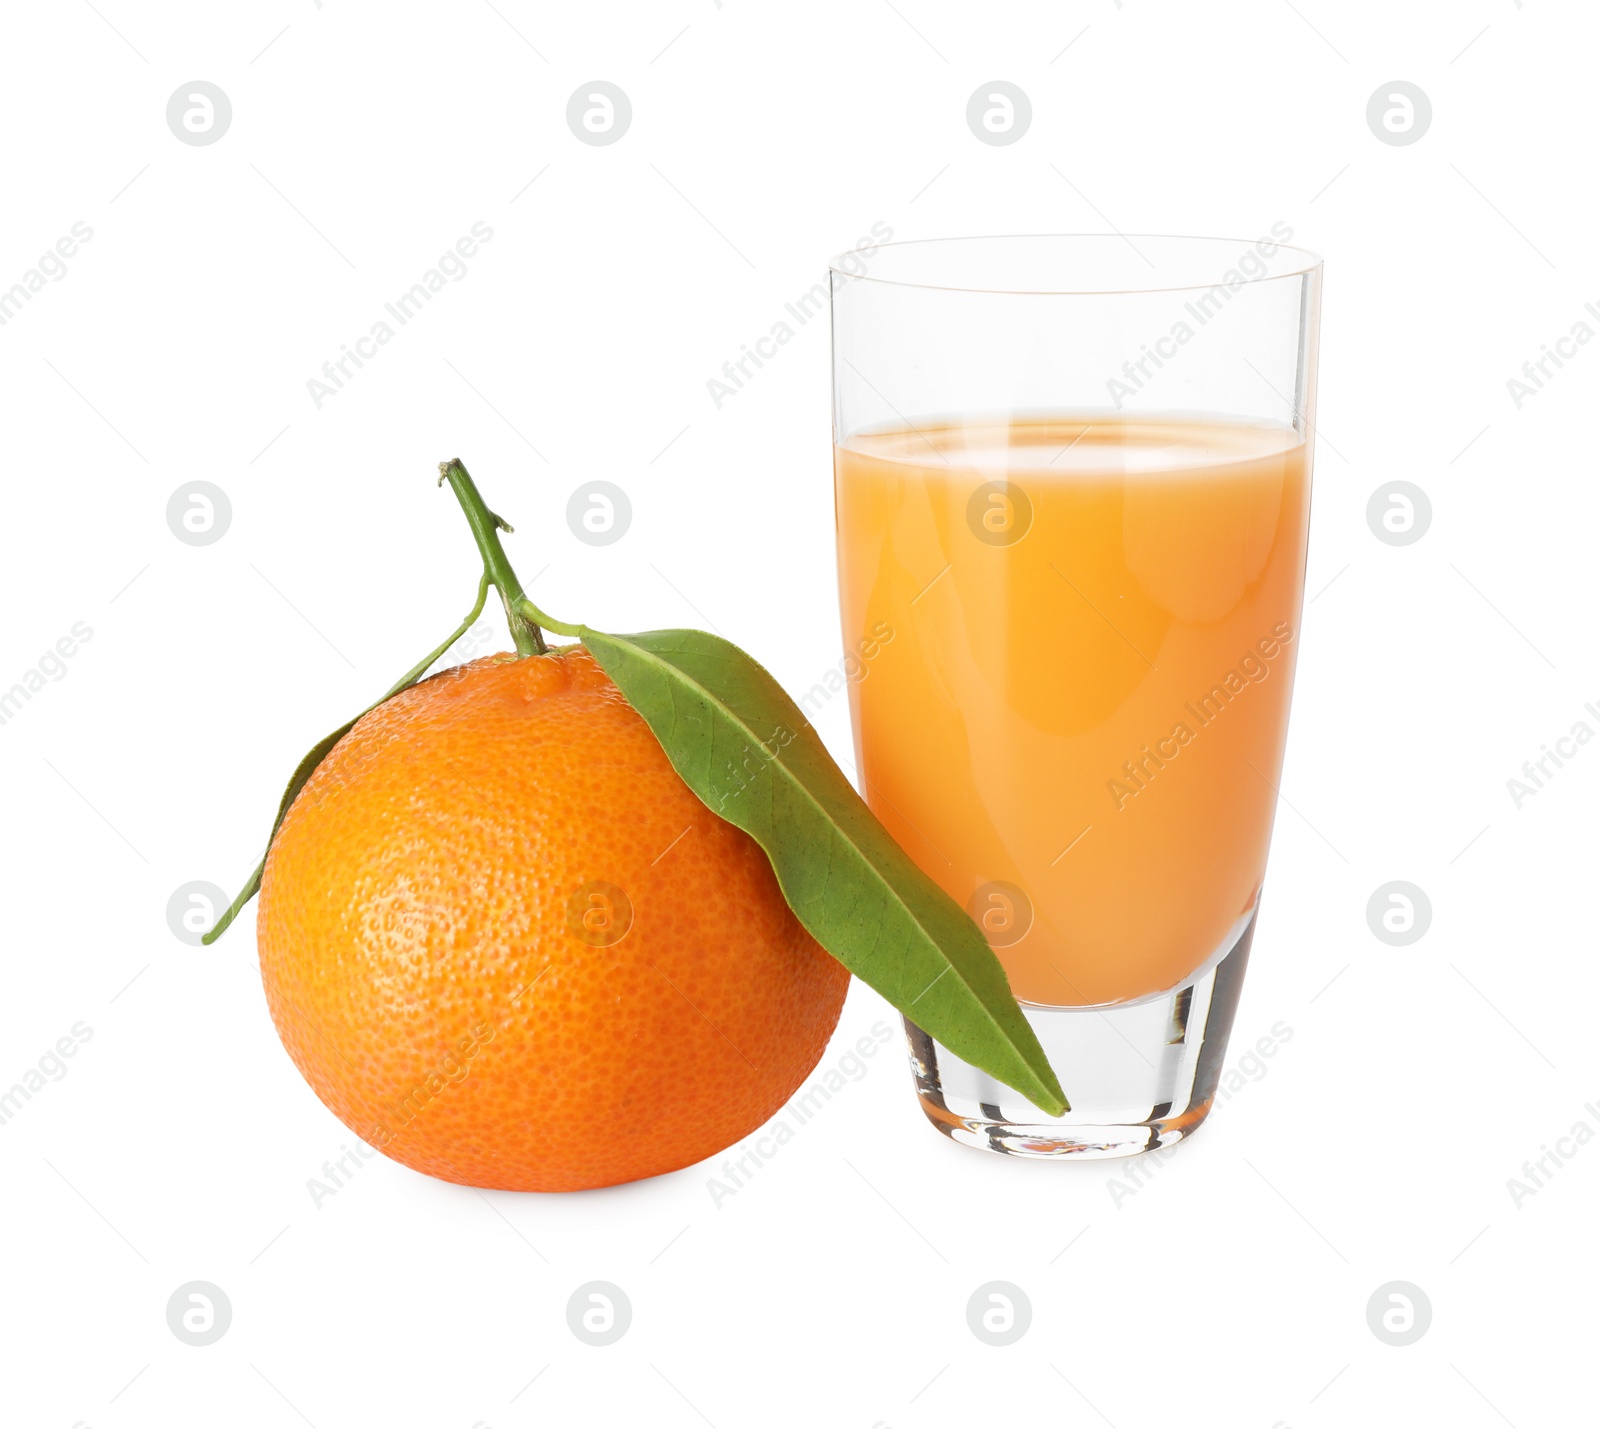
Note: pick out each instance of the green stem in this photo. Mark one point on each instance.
(421, 668)
(497, 571)
(549, 622)
(522, 615)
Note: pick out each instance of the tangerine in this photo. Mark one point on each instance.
(508, 946)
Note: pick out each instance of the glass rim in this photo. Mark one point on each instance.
(1308, 262)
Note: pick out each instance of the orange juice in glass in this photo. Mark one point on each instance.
(1072, 483)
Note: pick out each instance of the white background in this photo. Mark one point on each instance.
(1231, 1288)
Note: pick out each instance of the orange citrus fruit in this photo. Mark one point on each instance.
(507, 945)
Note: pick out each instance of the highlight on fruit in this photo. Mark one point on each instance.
(579, 914)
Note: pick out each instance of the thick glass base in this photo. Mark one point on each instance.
(1138, 1074)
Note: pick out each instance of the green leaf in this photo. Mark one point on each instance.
(297, 781)
(752, 757)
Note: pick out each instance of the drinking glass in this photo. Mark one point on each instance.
(1072, 485)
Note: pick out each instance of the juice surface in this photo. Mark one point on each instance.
(1077, 642)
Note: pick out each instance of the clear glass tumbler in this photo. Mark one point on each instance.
(1072, 481)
